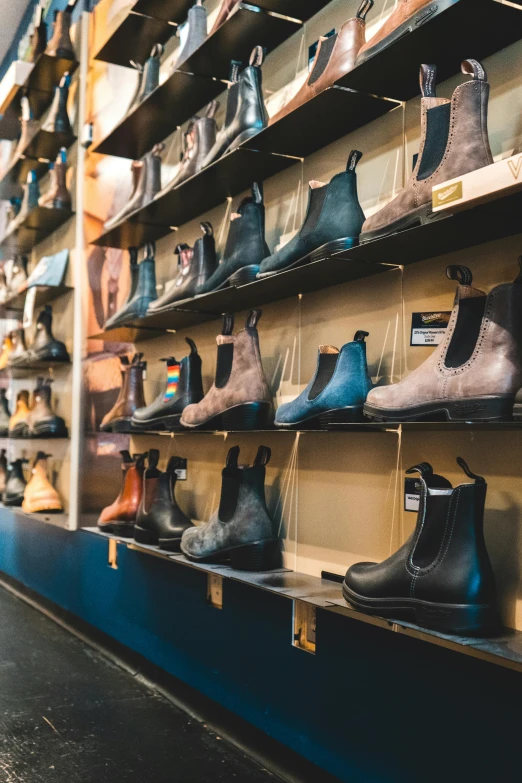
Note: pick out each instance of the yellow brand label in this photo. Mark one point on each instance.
(447, 195)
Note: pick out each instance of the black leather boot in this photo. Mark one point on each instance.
(19, 354)
(58, 120)
(42, 421)
(4, 414)
(441, 578)
(145, 292)
(45, 346)
(149, 77)
(160, 520)
(333, 222)
(39, 36)
(184, 387)
(60, 44)
(195, 267)
(246, 246)
(197, 32)
(241, 530)
(246, 114)
(13, 494)
(198, 139)
(146, 185)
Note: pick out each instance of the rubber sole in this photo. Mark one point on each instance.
(329, 420)
(49, 356)
(320, 254)
(53, 429)
(256, 556)
(248, 416)
(39, 508)
(144, 536)
(13, 501)
(485, 409)
(118, 425)
(168, 423)
(455, 619)
(418, 217)
(19, 431)
(124, 529)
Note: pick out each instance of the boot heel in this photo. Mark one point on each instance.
(482, 409)
(251, 416)
(143, 536)
(460, 620)
(334, 419)
(245, 136)
(328, 250)
(260, 556)
(248, 274)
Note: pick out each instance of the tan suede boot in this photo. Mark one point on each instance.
(18, 423)
(39, 494)
(239, 398)
(454, 142)
(474, 373)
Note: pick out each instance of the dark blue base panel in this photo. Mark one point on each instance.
(369, 707)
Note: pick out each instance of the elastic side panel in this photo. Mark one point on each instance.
(467, 330)
(437, 132)
(325, 52)
(430, 539)
(224, 364)
(317, 198)
(229, 494)
(233, 93)
(327, 365)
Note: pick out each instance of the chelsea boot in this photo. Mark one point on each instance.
(29, 128)
(60, 44)
(19, 355)
(198, 139)
(13, 494)
(29, 199)
(147, 184)
(46, 348)
(39, 493)
(18, 423)
(57, 195)
(39, 36)
(129, 400)
(148, 77)
(144, 293)
(120, 516)
(42, 421)
(57, 120)
(197, 32)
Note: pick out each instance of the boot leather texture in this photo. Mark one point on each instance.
(198, 140)
(124, 509)
(57, 195)
(148, 77)
(42, 421)
(39, 494)
(197, 32)
(57, 120)
(403, 13)
(143, 281)
(45, 346)
(131, 397)
(147, 184)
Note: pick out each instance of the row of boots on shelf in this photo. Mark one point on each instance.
(60, 44)
(32, 418)
(45, 347)
(36, 495)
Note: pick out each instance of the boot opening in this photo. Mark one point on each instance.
(328, 357)
(467, 330)
(432, 534)
(437, 133)
(323, 58)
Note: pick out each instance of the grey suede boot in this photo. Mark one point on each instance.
(241, 530)
(149, 77)
(454, 142)
(475, 373)
(197, 32)
(239, 398)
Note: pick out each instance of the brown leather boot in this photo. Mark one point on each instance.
(18, 427)
(18, 355)
(335, 56)
(130, 399)
(43, 421)
(57, 196)
(226, 9)
(120, 516)
(454, 142)
(239, 398)
(60, 44)
(407, 16)
(39, 494)
(476, 371)
(29, 128)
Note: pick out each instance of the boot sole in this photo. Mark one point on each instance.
(473, 409)
(321, 254)
(257, 556)
(248, 416)
(124, 529)
(42, 508)
(327, 420)
(49, 356)
(144, 536)
(413, 23)
(119, 425)
(418, 217)
(456, 619)
(54, 430)
(168, 423)
(13, 501)
(243, 276)
(19, 431)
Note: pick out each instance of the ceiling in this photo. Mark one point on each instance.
(11, 12)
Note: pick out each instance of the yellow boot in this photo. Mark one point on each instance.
(5, 353)
(18, 423)
(40, 495)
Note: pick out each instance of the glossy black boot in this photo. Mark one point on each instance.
(246, 114)
(184, 387)
(246, 246)
(144, 294)
(13, 494)
(160, 521)
(58, 120)
(441, 578)
(196, 266)
(333, 222)
(4, 414)
(46, 348)
(149, 77)
(198, 139)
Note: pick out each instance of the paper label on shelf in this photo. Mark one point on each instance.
(412, 488)
(429, 328)
(29, 307)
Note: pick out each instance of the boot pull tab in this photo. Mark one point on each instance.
(192, 345)
(211, 110)
(232, 457)
(139, 461)
(353, 159)
(125, 456)
(475, 69)
(157, 150)
(428, 81)
(263, 456)
(150, 250)
(173, 464)
(228, 324)
(206, 228)
(133, 256)
(62, 156)
(424, 468)
(253, 318)
(154, 456)
(235, 66)
(364, 9)
(464, 465)
(257, 56)
(257, 192)
(460, 273)
(156, 51)
(137, 66)
(360, 336)
(65, 81)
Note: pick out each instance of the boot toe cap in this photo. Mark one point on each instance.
(360, 578)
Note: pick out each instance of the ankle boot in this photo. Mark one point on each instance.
(19, 354)
(198, 139)
(333, 222)
(246, 246)
(454, 142)
(3, 471)
(145, 292)
(408, 15)
(120, 516)
(18, 423)
(239, 398)
(147, 184)
(4, 415)
(250, 115)
(241, 530)
(13, 494)
(149, 77)
(18, 277)
(336, 393)
(197, 32)
(58, 120)
(43, 421)
(38, 38)
(159, 520)
(119, 419)
(475, 372)
(441, 578)
(184, 387)
(39, 494)
(225, 11)
(196, 266)
(334, 58)
(46, 348)
(60, 44)
(29, 128)
(30, 198)
(134, 275)
(57, 195)
(7, 350)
